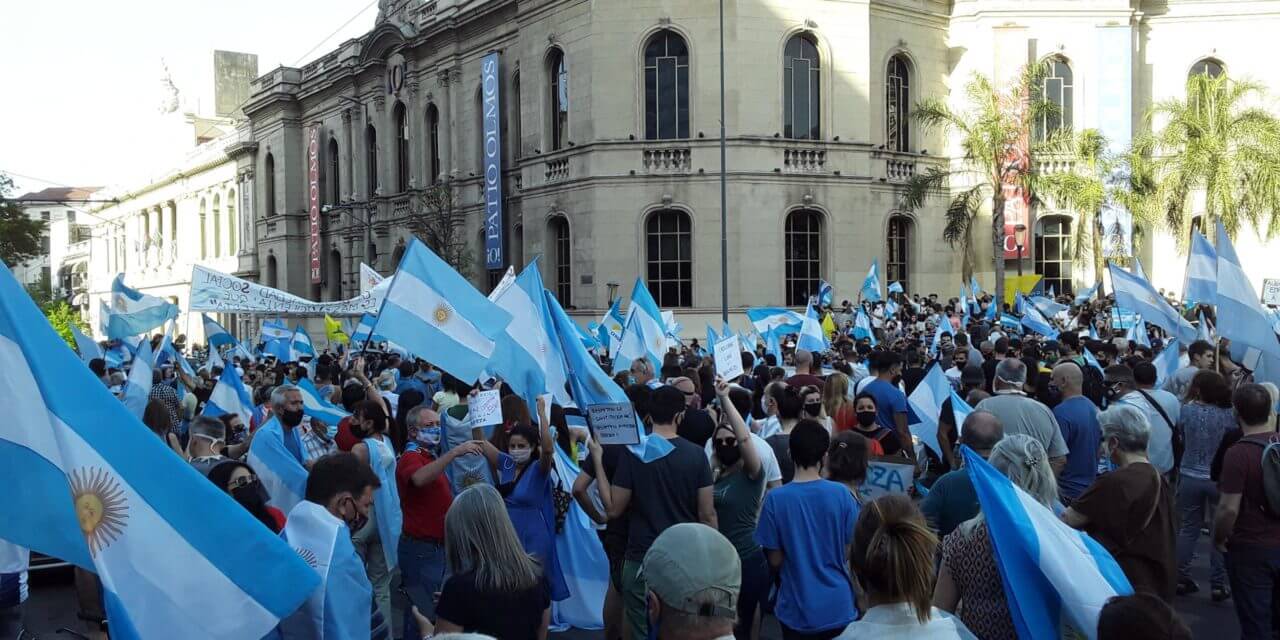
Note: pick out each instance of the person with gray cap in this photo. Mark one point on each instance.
(693, 576)
(1019, 413)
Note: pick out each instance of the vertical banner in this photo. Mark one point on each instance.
(1012, 53)
(491, 83)
(1113, 84)
(313, 200)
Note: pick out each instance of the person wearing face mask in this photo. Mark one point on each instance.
(811, 406)
(425, 498)
(277, 449)
(378, 542)
(891, 402)
(865, 421)
(786, 400)
(204, 447)
(243, 485)
(339, 494)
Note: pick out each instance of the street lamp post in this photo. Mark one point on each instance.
(1020, 235)
(724, 191)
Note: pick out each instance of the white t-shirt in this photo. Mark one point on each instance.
(768, 461)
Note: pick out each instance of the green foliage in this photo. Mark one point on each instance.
(62, 316)
(19, 235)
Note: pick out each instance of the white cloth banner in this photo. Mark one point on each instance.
(216, 291)
(369, 278)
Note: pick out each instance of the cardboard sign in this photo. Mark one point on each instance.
(729, 358)
(485, 409)
(886, 475)
(1271, 291)
(614, 423)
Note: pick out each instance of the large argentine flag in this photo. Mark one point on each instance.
(649, 317)
(1134, 293)
(99, 490)
(528, 358)
(1202, 271)
(281, 473)
(775, 319)
(340, 606)
(926, 402)
(319, 407)
(812, 338)
(1051, 572)
(435, 314)
(229, 396)
(134, 312)
(1242, 318)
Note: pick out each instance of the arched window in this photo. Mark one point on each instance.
(233, 246)
(371, 159)
(800, 89)
(217, 225)
(335, 275)
(558, 234)
(402, 149)
(269, 173)
(669, 257)
(1059, 90)
(333, 175)
(433, 143)
(272, 273)
(1053, 252)
(802, 262)
(897, 265)
(204, 238)
(559, 96)
(897, 104)
(1206, 66)
(666, 87)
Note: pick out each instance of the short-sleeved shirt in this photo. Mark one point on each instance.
(505, 616)
(780, 443)
(737, 500)
(1203, 427)
(1078, 420)
(811, 523)
(951, 500)
(801, 380)
(1020, 414)
(1118, 505)
(1161, 405)
(611, 456)
(768, 461)
(663, 492)
(1242, 474)
(970, 558)
(890, 401)
(423, 507)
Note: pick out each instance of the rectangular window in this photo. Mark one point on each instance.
(800, 93)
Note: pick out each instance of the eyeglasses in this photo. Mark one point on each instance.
(726, 442)
(242, 481)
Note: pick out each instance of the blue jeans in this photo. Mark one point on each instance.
(1197, 498)
(421, 564)
(1255, 576)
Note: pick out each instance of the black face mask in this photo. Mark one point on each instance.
(728, 455)
(291, 418)
(866, 418)
(813, 408)
(252, 496)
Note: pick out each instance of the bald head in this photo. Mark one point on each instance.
(981, 431)
(1068, 378)
(804, 360)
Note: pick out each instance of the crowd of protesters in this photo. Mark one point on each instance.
(761, 509)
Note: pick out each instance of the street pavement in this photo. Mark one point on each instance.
(52, 606)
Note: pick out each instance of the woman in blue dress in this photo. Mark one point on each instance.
(524, 480)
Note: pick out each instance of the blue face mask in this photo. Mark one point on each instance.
(429, 436)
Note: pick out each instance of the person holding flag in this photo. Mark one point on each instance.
(276, 451)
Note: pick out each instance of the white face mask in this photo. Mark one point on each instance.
(520, 456)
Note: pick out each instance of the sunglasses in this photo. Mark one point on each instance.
(242, 481)
(726, 442)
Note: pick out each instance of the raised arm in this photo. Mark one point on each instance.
(750, 457)
(547, 446)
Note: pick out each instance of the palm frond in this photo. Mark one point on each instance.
(960, 214)
(922, 185)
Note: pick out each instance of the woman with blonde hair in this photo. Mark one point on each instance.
(494, 586)
(892, 558)
(835, 394)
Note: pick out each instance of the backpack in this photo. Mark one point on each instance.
(1270, 464)
(1093, 387)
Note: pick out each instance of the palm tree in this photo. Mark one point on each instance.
(990, 131)
(1213, 143)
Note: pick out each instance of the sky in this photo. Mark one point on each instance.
(81, 79)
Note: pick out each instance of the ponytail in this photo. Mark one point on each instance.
(893, 552)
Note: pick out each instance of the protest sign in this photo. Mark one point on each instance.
(1271, 291)
(886, 475)
(614, 423)
(728, 354)
(485, 408)
(216, 291)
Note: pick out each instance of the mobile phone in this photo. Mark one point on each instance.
(419, 597)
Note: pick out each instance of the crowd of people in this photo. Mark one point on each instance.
(761, 507)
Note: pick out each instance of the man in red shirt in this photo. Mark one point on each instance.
(1242, 526)
(425, 497)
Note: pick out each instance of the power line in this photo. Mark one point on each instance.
(335, 32)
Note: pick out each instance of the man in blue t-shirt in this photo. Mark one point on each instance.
(891, 402)
(1077, 418)
(806, 528)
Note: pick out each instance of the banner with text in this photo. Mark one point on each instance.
(490, 84)
(216, 291)
(313, 202)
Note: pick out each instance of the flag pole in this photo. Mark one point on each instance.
(724, 197)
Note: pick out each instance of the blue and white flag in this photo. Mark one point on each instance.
(590, 384)
(895, 287)
(1051, 573)
(215, 334)
(1202, 272)
(1137, 334)
(528, 358)
(1052, 295)
(318, 407)
(99, 490)
(364, 332)
(959, 409)
(926, 403)
(938, 332)
(871, 284)
(826, 293)
(862, 327)
(973, 286)
(85, 345)
(1166, 363)
(712, 339)
(138, 390)
(773, 346)
(1242, 318)
(992, 311)
(1090, 360)
(1084, 296)
(650, 319)
(134, 312)
(215, 360)
(386, 504)
(1048, 306)
(279, 469)
(1204, 332)
(581, 557)
(890, 308)
(1093, 332)
(589, 341)
(1035, 321)
(611, 324)
(777, 319)
(340, 606)
(434, 313)
(1134, 293)
(633, 346)
(275, 329)
(300, 346)
(230, 396)
(812, 338)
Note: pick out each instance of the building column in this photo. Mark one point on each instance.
(445, 107)
(347, 160)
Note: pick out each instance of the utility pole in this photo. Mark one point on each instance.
(724, 192)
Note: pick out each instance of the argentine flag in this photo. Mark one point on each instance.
(871, 284)
(230, 396)
(812, 338)
(1202, 272)
(319, 408)
(1035, 321)
(826, 293)
(85, 345)
(527, 357)
(215, 334)
(633, 346)
(339, 608)
(1051, 572)
(862, 326)
(1138, 333)
(1166, 363)
(1242, 318)
(1133, 292)
(99, 490)
(1204, 332)
(300, 347)
(775, 319)
(895, 287)
(960, 410)
(611, 324)
(650, 319)
(134, 312)
(436, 314)
(926, 402)
(773, 346)
(275, 329)
(364, 332)
(280, 471)
(1084, 296)
(138, 390)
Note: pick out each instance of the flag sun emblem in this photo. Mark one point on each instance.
(100, 506)
(308, 556)
(443, 313)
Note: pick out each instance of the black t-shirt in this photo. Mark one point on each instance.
(989, 370)
(610, 456)
(663, 492)
(781, 445)
(505, 616)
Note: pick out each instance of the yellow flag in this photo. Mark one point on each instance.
(333, 330)
(1013, 284)
(828, 325)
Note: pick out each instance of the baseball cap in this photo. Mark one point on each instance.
(695, 570)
